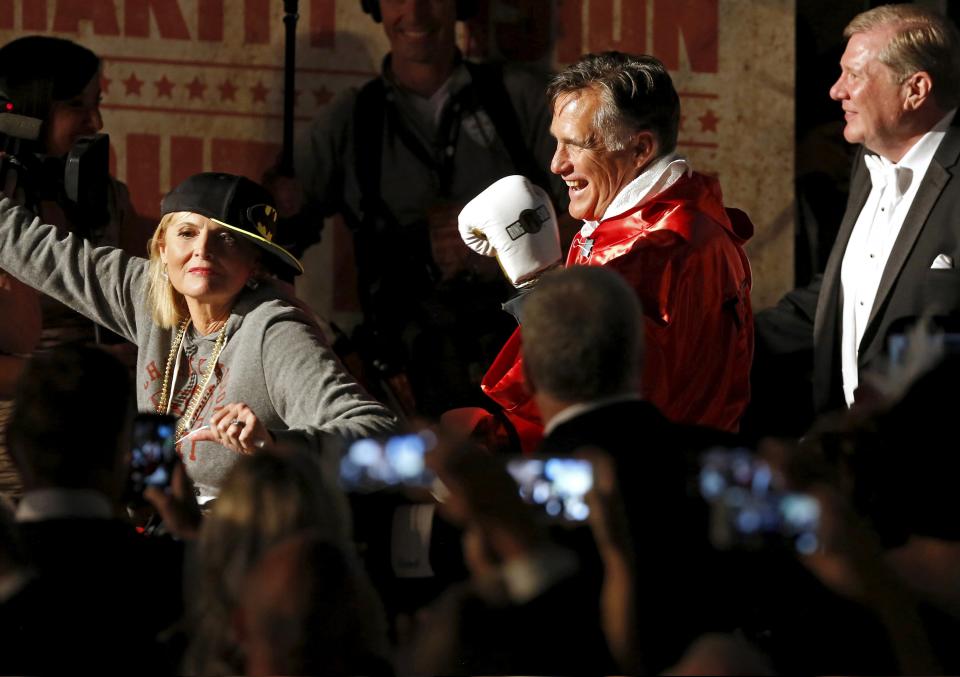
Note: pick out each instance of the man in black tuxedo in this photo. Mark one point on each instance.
(102, 591)
(582, 355)
(897, 253)
(663, 582)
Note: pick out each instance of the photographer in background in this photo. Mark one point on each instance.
(57, 82)
(398, 158)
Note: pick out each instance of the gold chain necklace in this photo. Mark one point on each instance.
(174, 349)
(199, 396)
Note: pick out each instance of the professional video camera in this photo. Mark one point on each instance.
(79, 182)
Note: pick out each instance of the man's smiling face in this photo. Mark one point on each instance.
(594, 174)
(871, 97)
(419, 30)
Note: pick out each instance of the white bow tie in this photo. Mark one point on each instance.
(887, 176)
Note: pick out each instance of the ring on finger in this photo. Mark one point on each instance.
(237, 422)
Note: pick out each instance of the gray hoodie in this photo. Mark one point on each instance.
(275, 359)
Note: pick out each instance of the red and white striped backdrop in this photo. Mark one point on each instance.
(194, 85)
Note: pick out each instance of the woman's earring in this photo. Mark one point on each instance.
(252, 282)
(163, 271)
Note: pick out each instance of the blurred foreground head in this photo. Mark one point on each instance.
(582, 335)
(305, 611)
(70, 422)
(266, 499)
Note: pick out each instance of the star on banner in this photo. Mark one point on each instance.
(133, 84)
(708, 121)
(105, 84)
(195, 87)
(322, 95)
(259, 92)
(228, 91)
(164, 87)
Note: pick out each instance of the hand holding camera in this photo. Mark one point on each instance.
(158, 478)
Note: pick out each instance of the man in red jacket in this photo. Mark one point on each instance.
(650, 217)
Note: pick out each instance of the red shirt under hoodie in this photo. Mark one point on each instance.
(681, 251)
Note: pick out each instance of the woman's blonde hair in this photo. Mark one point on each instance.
(167, 305)
(265, 499)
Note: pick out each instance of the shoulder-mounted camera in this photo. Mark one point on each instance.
(79, 181)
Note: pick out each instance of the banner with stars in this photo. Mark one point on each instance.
(197, 85)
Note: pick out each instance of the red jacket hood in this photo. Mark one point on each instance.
(705, 192)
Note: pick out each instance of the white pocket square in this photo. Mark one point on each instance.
(942, 262)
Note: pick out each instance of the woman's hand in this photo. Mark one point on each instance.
(236, 427)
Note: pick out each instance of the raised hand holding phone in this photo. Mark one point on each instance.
(152, 454)
(177, 508)
(749, 506)
(558, 484)
(399, 461)
(158, 478)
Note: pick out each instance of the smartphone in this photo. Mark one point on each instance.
(901, 347)
(557, 484)
(153, 454)
(748, 507)
(372, 464)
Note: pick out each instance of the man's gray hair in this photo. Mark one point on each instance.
(582, 334)
(636, 94)
(925, 40)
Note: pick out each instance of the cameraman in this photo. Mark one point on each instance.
(57, 82)
(398, 158)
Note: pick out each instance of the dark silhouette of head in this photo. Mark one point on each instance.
(582, 335)
(71, 419)
(305, 611)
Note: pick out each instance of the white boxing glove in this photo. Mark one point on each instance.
(513, 220)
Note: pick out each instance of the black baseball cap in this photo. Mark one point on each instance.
(234, 202)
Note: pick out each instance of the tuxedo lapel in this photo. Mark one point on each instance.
(828, 304)
(934, 182)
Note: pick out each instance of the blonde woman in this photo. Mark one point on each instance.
(221, 347)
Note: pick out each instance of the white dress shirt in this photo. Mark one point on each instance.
(894, 187)
(575, 410)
